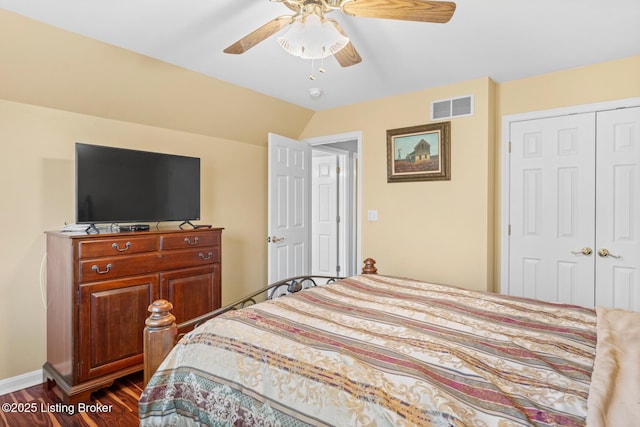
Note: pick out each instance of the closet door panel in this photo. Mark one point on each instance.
(618, 208)
(552, 206)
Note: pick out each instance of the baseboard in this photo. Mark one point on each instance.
(19, 382)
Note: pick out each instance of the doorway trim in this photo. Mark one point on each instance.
(343, 137)
(505, 179)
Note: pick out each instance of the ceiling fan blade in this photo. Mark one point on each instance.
(348, 55)
(405, 10)
(255, 37)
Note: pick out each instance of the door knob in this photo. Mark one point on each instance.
(274, 239)
(583, 251)
(605, 253)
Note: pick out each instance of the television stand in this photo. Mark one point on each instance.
(99, 288)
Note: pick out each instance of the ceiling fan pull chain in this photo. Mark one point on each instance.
(312, 76)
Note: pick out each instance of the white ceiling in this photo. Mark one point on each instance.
(501, 39)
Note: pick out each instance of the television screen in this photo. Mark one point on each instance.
(119, 185)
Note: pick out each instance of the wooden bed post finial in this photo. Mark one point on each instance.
(160, 314)
(369, 266)
(159, 336)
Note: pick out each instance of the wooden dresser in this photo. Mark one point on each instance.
(98, 290)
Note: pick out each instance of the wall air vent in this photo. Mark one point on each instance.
(453, 107)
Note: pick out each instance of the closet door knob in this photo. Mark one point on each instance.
(583, 251)
(605, 253)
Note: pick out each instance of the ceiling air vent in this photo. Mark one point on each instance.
(453, 107)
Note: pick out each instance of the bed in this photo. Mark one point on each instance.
(373, 350)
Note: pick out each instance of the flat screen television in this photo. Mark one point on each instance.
(117, 185)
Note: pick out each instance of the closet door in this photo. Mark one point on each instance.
(618, 209)
(551, 209)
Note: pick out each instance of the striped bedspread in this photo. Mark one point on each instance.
(380, 351)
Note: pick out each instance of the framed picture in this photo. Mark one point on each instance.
(419, 153)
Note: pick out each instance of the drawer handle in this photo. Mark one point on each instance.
(188, 241)
(119, 249)
(97, 269)
(209, 255)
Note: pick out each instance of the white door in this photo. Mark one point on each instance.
(328, 217)
(289, 190)
(552, 209)
(575, 209)
(618, 209)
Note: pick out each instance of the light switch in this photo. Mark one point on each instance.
(372, 215)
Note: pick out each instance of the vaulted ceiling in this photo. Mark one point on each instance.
(502, 39)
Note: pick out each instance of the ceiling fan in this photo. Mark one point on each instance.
(404, 10)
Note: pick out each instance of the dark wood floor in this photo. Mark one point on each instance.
(122, 396)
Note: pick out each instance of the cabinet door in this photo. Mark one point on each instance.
(192, 291)
(111, 321)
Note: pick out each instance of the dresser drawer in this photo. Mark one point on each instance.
(92, 270)
(117, 246)
(189, 240)
(190, 257)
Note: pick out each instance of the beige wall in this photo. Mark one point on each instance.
(450, 231)
(54, 68)
(608, 81)
(57, 88)
(37, 171)
(584, 85)
(438, 230)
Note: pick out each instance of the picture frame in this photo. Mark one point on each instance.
(419, 153)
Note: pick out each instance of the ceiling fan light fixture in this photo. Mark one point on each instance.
(312, 38)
